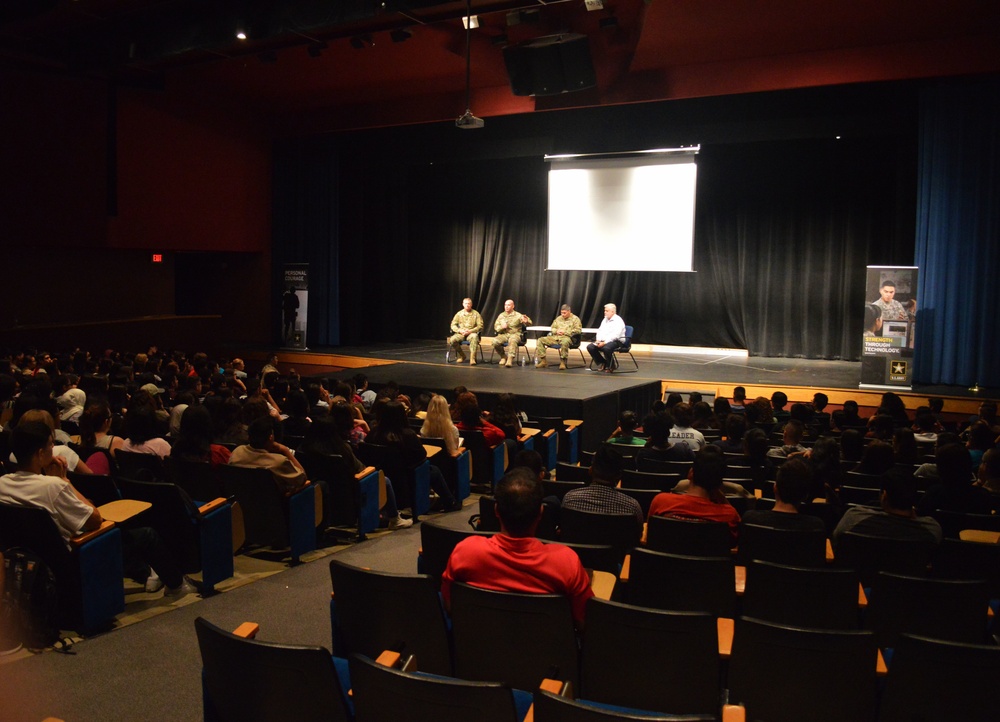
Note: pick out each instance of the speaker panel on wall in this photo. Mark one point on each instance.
(551, 65)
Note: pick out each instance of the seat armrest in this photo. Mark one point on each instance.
(79, 541)
(733, 713)
(364, 472)
(247, 630)
(211, 506)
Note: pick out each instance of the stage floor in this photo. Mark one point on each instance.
(411, 360)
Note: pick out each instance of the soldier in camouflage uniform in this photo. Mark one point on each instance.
(509, 327)
(563, 327)
(466, 326)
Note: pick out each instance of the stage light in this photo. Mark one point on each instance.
(470, 21)
(241, 34)
(400, 35)
(359, 42)
(316, 49)
(592, 5)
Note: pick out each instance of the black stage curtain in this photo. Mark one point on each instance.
(784, 228)
(783, 235)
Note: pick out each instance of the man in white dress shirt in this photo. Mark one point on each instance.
(610, 335)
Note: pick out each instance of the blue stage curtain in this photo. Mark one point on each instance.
(958, 235)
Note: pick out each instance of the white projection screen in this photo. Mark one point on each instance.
(631, 213)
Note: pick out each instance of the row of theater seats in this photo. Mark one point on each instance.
(671, 660)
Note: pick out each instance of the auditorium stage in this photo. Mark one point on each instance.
(578, 393)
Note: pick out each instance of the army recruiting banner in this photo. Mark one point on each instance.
(890, 327)
(294, 305)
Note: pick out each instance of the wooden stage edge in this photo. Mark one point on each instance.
(310, 363)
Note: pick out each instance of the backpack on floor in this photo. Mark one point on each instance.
(29, 605)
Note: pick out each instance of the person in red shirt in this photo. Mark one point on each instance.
(514, 560)
(703, 498)
(472, 420)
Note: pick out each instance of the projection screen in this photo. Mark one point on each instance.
(632, 213)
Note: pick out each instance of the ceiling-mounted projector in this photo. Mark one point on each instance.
(468, 120)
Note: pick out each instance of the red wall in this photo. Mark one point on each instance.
(191, 176)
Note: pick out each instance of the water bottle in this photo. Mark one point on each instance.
(447, 356)
(522, 362)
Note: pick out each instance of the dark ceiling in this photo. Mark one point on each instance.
(299, 67)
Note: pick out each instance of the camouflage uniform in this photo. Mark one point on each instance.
(561, 334)
(465, 321)
(892, 311)
(510, 335)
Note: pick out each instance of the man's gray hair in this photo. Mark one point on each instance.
(612, 306)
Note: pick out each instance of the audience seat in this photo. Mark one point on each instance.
(818, 598)
(947, 609)
(688, 536)
(571, 472)
(270, 518)
(517, 639)
(200, 537)
(383, 693)
(372, 611)
(795, 547)
(412, 484)
(937, 680)
(244, 679)
(88, 576)
(355, 498)
(682, 583)
(436, 544)
(869, 554)
(783, 673)
(650, 659)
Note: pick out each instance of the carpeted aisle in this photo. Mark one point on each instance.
(151, 670)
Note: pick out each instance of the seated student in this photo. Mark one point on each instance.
(791, 440)
(194, 439)
(142, 433)
(40, 481)
(792, 489)
(682, 434)
(600, 495)
(925, 428)
(61, 451)
(988, 474)
(738, 405)
(703, 499)
(954, 490)
(514, 560)
(331, 435)
(393, 430)
(472, 420)
(981, 438)
(877, 458)
(847, 417)
(929, 470)
(704, 419)
(263, 452)
(779, 399)
(658, 446)
(438, 424)
(625, 433)
(897, 519)
(735, 429)
(821, 419)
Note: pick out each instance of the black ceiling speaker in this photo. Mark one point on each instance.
(550, 65)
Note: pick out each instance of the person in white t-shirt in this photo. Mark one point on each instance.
(610, 336)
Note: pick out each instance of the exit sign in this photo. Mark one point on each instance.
(157, 258)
